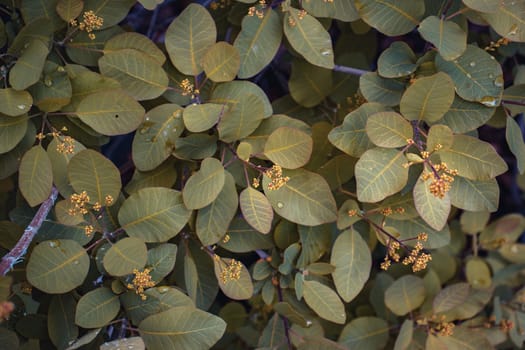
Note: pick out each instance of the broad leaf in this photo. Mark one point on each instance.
(464, 116)
(213, 220)
(428, 99)
(125, 256)
(388, 129)
(341, 10)
(12, 131)
(233, 277)
(136, 41)
(57, 266)
(473, 158)
(97, 308)
(352, 260)
(188, 38)
(258, 42)
(205, 185)
(69, 9)
(309, 84)
(289, 147)
(391, 17)
(514, 137)
(90, 171)
(113, 11)
(35, 176)
(111, 112)
(305, 199)
(14, 103)
(61, 320)
(508, 20)
(374, 88)
(256, 209)
(380, 173)
(154, 214)
(221, 62)
(324, 301)
(201, 117)
(365, 333)
(405, 294)
(138, 74)
(309, 38)
(448, 37)
(433, 209)
(397, 61)
(474, 195)
(29, 66)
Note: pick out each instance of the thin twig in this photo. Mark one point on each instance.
(19, 250)
(350, 70)
(286, 323)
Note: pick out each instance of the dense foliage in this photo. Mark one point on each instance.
(315, 174)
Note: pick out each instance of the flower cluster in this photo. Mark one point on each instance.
(259, 12)
(6, 307)
(417, 257)
(502, 41)
(90, 22)
(187, 87)
(441, 179)
(215, 5)
(78, 202)
(437, 327)
(355, 102)
(391, 254)
(141, 282)
(88, 230)
(300, 16)
(231, 271)
(275, 173)
(255, 182)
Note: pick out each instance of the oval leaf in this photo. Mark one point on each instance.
(324, 301)
(221, 62)
(205, 185)
(233, 277)
(256, 209)
(388, 129)
(448, 37)
(35, 176)
(97, 308)
(289, 147)
(125, 256)
(434, 210)
(13, 103)
(405, 294)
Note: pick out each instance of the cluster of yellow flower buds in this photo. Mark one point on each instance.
(442, 179)
(90, 22)
(275, 173)
(391, 255)
(78, 201)
(259, 12)
(437, 327)
(187, 87)
(141, 282)
(417, 258)
(231, 270)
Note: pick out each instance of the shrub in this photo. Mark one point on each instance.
(236, 177)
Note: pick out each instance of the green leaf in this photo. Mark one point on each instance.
(396, 61)
(473, 158)
(241, 119)
(514, 138)
(374, 88)
(353, 261)
(351, 137)
(135, 342)
(10, 161)
(365, 333)
(439, 137)
(465, 338)
(380, 173)
(514, 93)
(289, 147)
(324, 301)
(54, 91)
(256, 209)
(113, 12)
(84, 340)
(138, 74)
(61, 320)
(315, 242)
(124, 256)
(482, 5)
(221, 62)
(188, 38)
(59, 162)
(243, 238)
(154, 214)
(391, 17)
(309, 84)
(12, 131)
(97, 308)
(161, 260)
(508, 20)
(341, 10)
(309, 38)
(405, 294)
(412, 227)
(164, 175)
(305, 199)
(85, 83)
(476, 75)
(464, 116)
(258, 42)
(110, 112)
(90, 171)
(29, 65)
(478, 273)
(35, 176)
(57, 266)
(201, 117)
(136, 41)
(199, 276)
(405, 336)
(85, 51)
(432, 209)
(205, 185)
(448, 37)
(286, 310)
(235, 92)
(14, 103)
(429, 98)
(238, 287)
(388, 129)
(474, 195)
(213, 220)
(69, 9)
(35, 9)
(195, 146)
(153, 142)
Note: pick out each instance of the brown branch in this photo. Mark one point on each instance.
(31, 230)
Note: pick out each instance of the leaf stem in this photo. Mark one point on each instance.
(350, 70)
(286, 323)
(31, 230)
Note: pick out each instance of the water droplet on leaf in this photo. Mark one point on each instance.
(21, 107)
(469, 76)
(326, 52)
(491, 75)
(489, 101)
(472, 64)
(280, 205)
(48, 81)
(76, 262)
(499, 81)
(54, 244)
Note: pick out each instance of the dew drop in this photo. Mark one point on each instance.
(326, 52)
(163, 289)
(491, 76)
(514, 249)
(22, 107)
(174, 130)
(489, 101)
(280, 205)
(143, 130)
(76, 262)
(60, 69)
(492, 57)
(498, 82)
(472, 64)
(48, 81)
(308, 323)
(54, 244)
(469, 76)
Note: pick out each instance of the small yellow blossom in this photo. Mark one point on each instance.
(226, 238)
(108, 200)
(141, 282)
(275, 173)
(231, 271)
(255, 182)
(78, 202)
(186, 86)
(352, 212)
(65, 145)
(88, 230)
